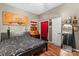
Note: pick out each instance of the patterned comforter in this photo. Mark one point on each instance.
(19, 44)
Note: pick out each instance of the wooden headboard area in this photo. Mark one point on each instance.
(10, 18)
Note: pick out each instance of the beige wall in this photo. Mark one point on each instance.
(16, 29)
(63, 10)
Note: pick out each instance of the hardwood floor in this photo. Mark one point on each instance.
(56, 51)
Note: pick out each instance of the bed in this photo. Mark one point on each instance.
(23, 45)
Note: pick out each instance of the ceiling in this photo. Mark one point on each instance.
(36, 8)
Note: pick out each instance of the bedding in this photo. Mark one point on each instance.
(19, 44)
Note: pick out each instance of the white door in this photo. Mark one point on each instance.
(56, 31)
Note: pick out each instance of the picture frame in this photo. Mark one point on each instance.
(76, 28)
(75, 22)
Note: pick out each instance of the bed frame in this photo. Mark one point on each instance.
(30, 52)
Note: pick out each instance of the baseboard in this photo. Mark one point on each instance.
(76, 50)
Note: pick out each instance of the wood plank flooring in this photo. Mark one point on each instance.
(56, 51)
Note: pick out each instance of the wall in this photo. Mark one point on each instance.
(63, 10)
(20, 12)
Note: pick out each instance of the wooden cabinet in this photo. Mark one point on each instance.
(10, 18)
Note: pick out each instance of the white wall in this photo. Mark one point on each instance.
(16, 29)
(64, 10)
